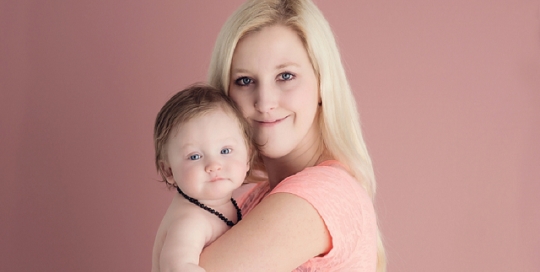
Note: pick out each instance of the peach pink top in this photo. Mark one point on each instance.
(345, 207)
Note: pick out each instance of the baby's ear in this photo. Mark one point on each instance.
(166, 171)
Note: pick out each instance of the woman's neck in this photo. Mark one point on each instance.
(280, 168)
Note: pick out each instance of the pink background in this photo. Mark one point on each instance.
(449, 95)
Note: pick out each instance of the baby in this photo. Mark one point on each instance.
(203, 148)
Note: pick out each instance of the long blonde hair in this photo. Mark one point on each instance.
(339, 122)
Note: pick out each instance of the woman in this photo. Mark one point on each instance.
(278, 61)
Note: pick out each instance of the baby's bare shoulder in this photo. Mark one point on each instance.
(181, 214)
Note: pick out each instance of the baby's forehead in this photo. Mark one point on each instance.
(215, 109)
(198, 117)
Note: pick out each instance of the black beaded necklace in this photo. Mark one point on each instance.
(212, 211)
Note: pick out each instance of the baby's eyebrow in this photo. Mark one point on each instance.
(230, 139)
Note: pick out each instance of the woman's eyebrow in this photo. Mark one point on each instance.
(278, 67)
(238, 70)
(287, 64)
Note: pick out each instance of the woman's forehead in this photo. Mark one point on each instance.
(273, 47)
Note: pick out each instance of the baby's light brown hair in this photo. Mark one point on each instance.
(190, 103)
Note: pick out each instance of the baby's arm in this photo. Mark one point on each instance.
(186, 237)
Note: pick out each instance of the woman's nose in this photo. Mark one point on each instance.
(267, 98)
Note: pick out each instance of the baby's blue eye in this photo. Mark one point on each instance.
(226, 151)
(244, 81)
(194, 157)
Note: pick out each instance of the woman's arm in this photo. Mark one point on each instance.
(279, 234)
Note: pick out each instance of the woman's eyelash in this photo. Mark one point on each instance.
(243, 81)
(286, 76)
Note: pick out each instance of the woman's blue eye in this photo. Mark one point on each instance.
(226, 151)
(286, 76)
(194, 157)
(244, 81)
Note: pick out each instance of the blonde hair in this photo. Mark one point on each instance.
(339, 122)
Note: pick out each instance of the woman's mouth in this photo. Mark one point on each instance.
(270, 122)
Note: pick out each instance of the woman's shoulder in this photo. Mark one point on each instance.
(327, 177)
(345, 207)
(323, 170)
